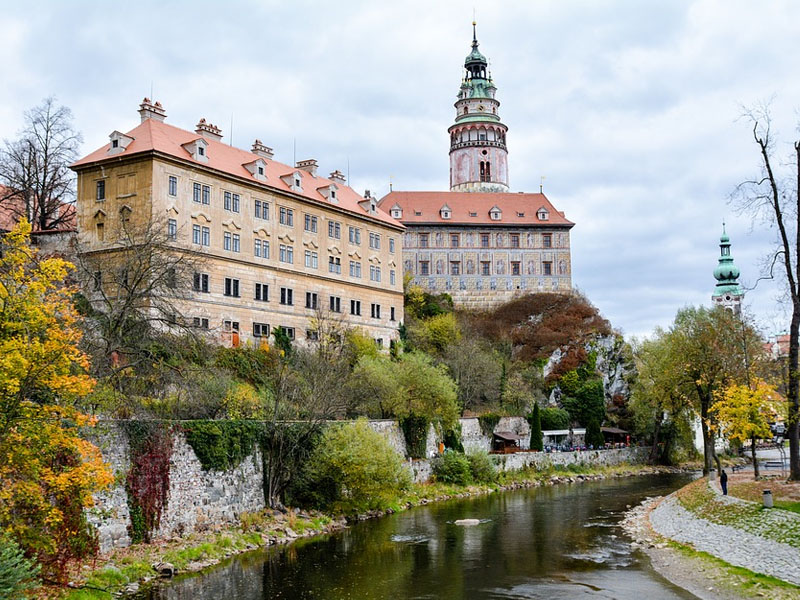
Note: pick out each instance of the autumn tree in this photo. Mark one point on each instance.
(47, 471)
(34, 168)
(743, 413)
(775, 194)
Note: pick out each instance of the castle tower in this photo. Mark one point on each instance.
(727, 293)
(478, 154)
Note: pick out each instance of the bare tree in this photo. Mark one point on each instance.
(35, 167)
(778, 198)
(134, 285)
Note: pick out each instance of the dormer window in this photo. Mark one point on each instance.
(543, 214)
(115, 143)
(257, 169)
(495, 214)
(294, 181)
(396, 211)
(201, 151)
(445, 212)
(197, 148)
(329, 192)
(119, 141)
(260, 170)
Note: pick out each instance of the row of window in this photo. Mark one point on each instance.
(263, 330)
(232, 288)
(485, 268)
(485, 240)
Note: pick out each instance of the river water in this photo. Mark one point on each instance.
(559, 542)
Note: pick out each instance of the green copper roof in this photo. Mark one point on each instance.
(475, 56)
(726, 273)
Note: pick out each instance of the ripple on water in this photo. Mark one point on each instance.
(410, 539)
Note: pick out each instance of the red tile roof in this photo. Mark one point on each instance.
(516, 209)
(154, 135)
(12, 210)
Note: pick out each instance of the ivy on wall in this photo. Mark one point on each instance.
(488, 421)
(147, 483)
(415, 431)
(223, 445)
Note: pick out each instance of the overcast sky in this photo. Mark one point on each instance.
(628, 109)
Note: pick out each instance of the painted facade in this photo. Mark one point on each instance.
(296, 244)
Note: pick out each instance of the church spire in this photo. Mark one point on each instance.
(727, 292)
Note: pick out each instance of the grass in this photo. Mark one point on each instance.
(776, 525)
(752, 491)
(744, 581)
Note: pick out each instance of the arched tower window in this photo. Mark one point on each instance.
(485, 171)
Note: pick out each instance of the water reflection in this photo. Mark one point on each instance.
(556, 542)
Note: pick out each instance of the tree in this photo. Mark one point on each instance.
(39, 333)
(135, 287)
(17, 573)
(35, 167)
(537, 443)
(743, 413)
(476, 369)
(594, 435)
(777, 196)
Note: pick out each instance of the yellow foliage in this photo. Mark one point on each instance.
(243, 402)
(743, 413)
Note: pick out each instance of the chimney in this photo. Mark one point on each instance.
(309, 165)
(367, 195)
(148, 110)
(208, 131)
(262, 150)
(337, 176)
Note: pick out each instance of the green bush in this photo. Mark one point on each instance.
(594, 436)
(554, 418)
(17, 573)
(452, 467)
(415, 432)
(481, 467)
(356, 469)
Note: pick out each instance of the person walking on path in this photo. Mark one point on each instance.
(723, 481)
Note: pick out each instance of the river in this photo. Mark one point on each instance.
(558, 542)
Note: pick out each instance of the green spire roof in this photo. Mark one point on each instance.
(726, 273)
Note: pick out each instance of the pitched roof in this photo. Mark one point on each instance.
(12, 210)
(473, 208)
(154, 135)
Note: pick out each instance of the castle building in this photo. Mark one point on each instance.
(479, 242)
(274, 245)
(727, 293)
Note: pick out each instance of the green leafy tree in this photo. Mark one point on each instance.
(17, 573)
(594, 435)
(537, 442)
(554, 418)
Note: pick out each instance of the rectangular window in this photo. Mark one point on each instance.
(375, 241)
(257, 248)
(286, 216)
(486, 268)
(454, 240)
(286, 296)
(312, 300)
(231, 287)
(374, 273)
(392, 278)
(355, 307)
(226, 241)
(355, 269)
(236, 203)
(200, 322)
(334, 264)
(391, 313)
(310, 223)
(547, 240)
(173, 188)
(236, 244)
(423, 240)
(289, 331)
(100, 193)
(355, 235)
(312, 335)
(196, 191)
(335, 304)
(455, 268)
(514, 240)
(286, 254)
(196, 234)
(230, 326)
(200, 282)
(171, 278)
(226, 200)
(547, 268)
(515, 267)
(260, 330)
(375, 311)
(206, 194)
(206, 236)
(484, 240)
(261, 248)
(261, 210)
(101, 231)
(97, 280)
(391, 245)
(334, 230)
(424, 267)
(262, 292)
(172, 230)
(312, 261)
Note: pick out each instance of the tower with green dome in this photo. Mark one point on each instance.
(478, 154)
(727, 293)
